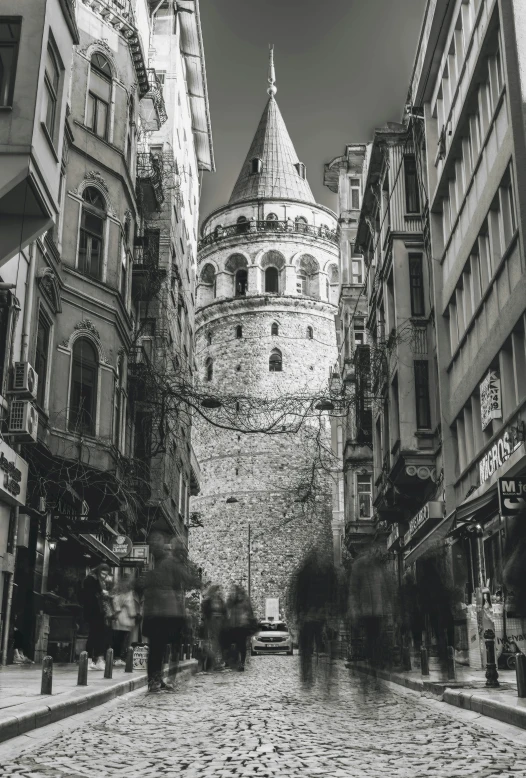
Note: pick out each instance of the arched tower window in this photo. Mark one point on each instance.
(256, 166)
(208, 281)
(310, 333)
(272, 221)
(274, 330)
(99, 95)
(239, 331)
(300, 224)
(242, 224)
(271, 280)
(241, 282)
(83, 388)
(91, 233)
(275, 362)
(301, 282)
(209, 338)
(209, 369)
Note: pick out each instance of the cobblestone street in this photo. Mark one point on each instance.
(262, 723)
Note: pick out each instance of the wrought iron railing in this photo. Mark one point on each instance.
(253, 227)
(150, 168)
(156, 92)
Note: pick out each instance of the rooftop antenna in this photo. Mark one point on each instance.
(271, 72)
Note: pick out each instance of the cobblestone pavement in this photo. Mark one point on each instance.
(263, 723)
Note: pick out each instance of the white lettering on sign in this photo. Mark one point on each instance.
(497, 455)
(490, 402)
(13, 483)
(431, 510)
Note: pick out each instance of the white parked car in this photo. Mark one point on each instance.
(272, 637)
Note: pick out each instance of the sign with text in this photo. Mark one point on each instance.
(426, 516)
(13, 476)
(121, 546)
(490, 402)
(512, 495)
(500, 451)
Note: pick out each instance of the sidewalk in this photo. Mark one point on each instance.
(468, 691)
(23, 708)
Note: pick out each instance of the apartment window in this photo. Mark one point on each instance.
(41, 357)
(51, 84)
(364, 495)
(355, 194)
(423, 409)
(9, 40)
(6, 326)
(129, 132)
(357, 272)
(275, 362)
(124, 271)
(91, 233)
(83, 389)
(99, 95)
(412, 197)
(507, 209)
(271, 280)
(416, 285)
(359, 332)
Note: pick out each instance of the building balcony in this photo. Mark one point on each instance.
(255, 228)
(152, 107)
(150, 180)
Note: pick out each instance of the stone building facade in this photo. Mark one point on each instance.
(267, 291)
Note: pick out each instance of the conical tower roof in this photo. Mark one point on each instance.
(281, 173)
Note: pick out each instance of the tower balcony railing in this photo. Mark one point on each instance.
(254, 227)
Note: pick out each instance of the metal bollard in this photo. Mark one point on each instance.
(167, 654)
(82, 679)
(47, 676)
(491, 665)
(108, 670)
(451, 668)
(424, 661)
(181, 652)
(520, 669)
(129, 660)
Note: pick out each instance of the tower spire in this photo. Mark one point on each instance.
(271, 72)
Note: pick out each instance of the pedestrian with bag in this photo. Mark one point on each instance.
(164, 589)
(241, 623)
(98, 613)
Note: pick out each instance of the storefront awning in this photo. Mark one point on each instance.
(478, 507)
(436, 535)
(101, 549)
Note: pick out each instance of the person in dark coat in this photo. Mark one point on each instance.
(214, 615)
(163, 589)
(241, 623)
(96, 604)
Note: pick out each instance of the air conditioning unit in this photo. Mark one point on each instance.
(23, 421)
(25, 380)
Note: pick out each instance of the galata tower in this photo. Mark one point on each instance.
(265, 333)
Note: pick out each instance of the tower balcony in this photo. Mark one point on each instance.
(253, 229)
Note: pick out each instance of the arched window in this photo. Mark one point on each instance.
(239, 331)
(274, 330)
(275, 361)
(272, 221)
(209, 369)
(256, 165)
(241, 282)
(91, 233)
(209, 338)
(301, 282)
(99, 96)
(271, 279)
(327, 289)
(242, 224)
(310, 333)
(208, 280)
(83, 389)
(300, 224)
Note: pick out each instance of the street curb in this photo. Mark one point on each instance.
(460, 698)
(43, 714)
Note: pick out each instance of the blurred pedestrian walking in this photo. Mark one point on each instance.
(314, 599)
(241, 624)
(164, 601)
(96, 602)
(214, 617)
(126, 613)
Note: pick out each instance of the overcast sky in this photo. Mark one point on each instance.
(342, 68)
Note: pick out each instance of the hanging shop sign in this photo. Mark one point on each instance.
(426, 517)
(139, 555)
(394, 537)
(500, 451)
(490, 400)
(13, 476)
(512, 495)
(121, 546)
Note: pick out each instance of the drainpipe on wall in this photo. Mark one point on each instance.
(24, 351)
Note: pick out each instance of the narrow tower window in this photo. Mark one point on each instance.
(310, 333)
(209, 338)
(274, 330)
(271, 279)
(239, 331)
(256, 166)
(275, 361)
(209, 369)
(241, 283)
(302, 170)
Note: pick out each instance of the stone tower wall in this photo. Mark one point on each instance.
(254, 478)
